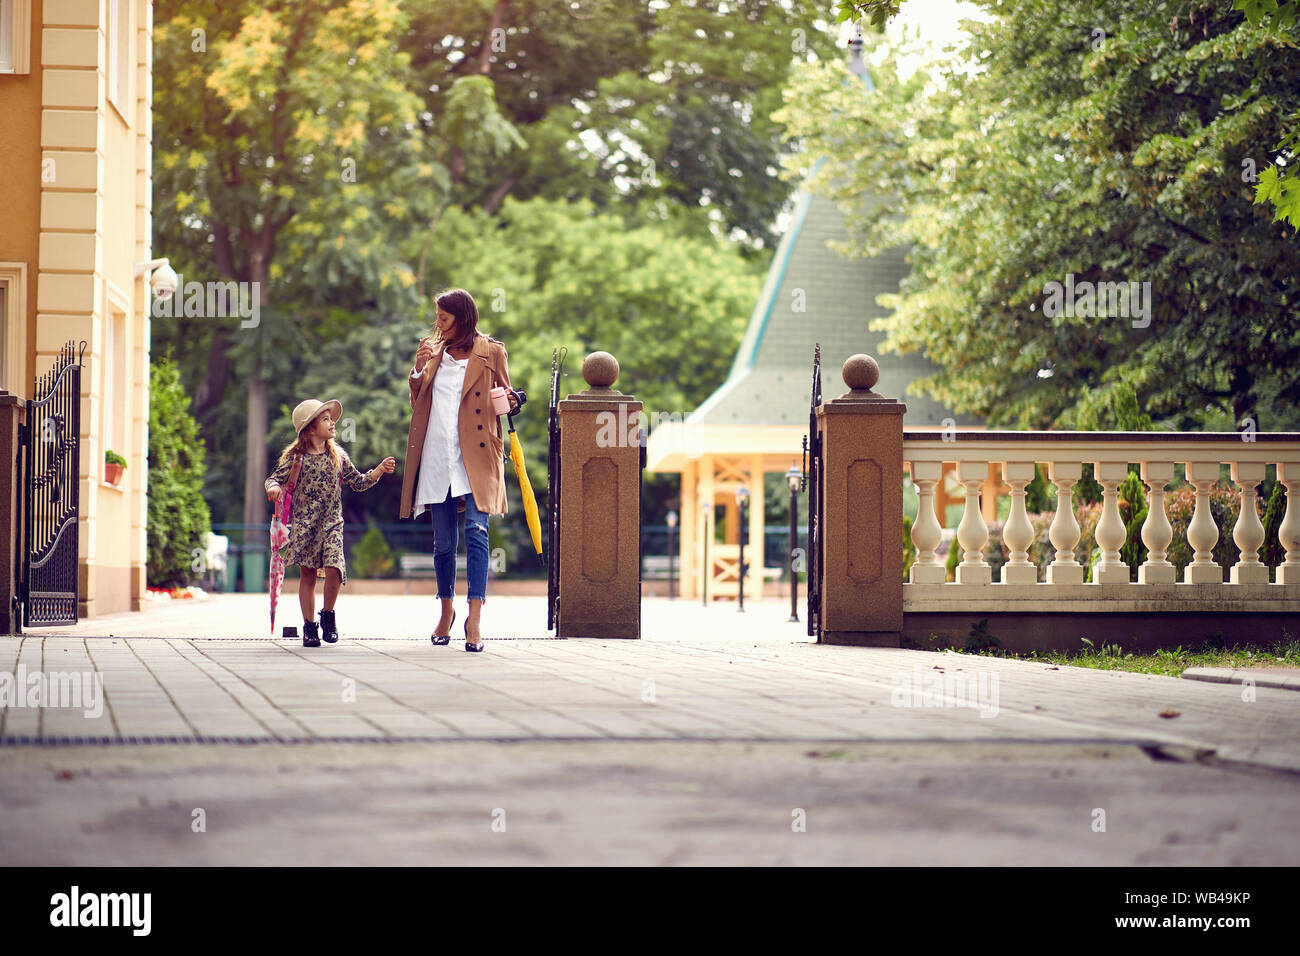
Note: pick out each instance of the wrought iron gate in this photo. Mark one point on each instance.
(813, 485)
(553, 494)
(50, 440)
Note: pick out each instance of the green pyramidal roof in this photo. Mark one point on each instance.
(813, 294)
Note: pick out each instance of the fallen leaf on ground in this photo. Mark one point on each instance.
(1170, 713)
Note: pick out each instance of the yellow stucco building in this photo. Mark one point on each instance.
(75, 160)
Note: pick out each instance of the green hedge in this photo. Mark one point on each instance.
(178, 516)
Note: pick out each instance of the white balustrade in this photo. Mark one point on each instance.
(927, 532)
(1157, 532)
(1202, 533)
(1111, 533)
(973, 533)
(1249, 531)
(1064, 532)
(1289, 533)
(1111, 455)
(1018, 533)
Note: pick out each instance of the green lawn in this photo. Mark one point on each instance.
(1111, 657)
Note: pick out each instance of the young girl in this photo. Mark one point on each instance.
(314, 467)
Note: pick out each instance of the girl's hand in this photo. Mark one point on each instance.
(386, 466)
(273, 495)
(423, 353)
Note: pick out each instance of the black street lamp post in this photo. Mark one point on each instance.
(793, 477)
(742, 499)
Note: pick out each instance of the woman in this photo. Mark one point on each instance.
(455, 446)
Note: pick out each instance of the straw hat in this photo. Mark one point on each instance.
(308, 410)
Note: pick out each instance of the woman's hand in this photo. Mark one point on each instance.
(273, 494)
(423, 353)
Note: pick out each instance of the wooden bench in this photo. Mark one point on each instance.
(423, 565)
(654, 567)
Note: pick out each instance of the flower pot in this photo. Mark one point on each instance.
(113, 473)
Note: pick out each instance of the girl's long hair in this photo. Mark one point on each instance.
(461, 305)
(299, 446)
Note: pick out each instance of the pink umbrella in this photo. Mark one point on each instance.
(279, 538)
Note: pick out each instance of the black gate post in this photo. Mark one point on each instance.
(553, 493)
(812, 480)
(11, 521)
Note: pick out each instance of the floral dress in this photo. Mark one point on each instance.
(316, 525)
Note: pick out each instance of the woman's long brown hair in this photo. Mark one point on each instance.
(459, 304)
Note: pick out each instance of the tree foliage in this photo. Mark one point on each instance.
(354, 157)
(626, 103)
(178, 518)
(1105, 145)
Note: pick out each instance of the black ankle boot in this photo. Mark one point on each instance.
(329, 630)
(309, 635)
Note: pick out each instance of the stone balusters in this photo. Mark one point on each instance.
(1249, 531)
(1018, 533)
(1202, 533)
(1157, 532)
(1110, 533)
(1157, 468)
(1064, 532)
(1288, 472)
(973, 533)
(927, 532)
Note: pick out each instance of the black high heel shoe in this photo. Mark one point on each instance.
(473, 648)
(442, 639)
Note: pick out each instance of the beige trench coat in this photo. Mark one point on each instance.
(481, 441)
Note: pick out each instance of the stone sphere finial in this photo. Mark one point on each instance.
(600, 369)
(861, 372)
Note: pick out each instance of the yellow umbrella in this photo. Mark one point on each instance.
(525, 486)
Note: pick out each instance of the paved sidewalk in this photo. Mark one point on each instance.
(712, 740)
(700, 674)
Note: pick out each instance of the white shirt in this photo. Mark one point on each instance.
(441, 463)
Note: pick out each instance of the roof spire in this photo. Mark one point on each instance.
(856, 65)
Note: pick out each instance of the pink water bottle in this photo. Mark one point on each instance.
(500, 400)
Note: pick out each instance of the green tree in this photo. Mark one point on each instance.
(371, 556)
(1272, 553)
(545, 273)
(1133, 512)
(287, 153)
(627, 103)
(178, 518)
(1106, 147)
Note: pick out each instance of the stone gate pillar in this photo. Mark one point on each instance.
(862, 512)
(600, 507)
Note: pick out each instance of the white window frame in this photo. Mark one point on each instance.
(120, 61)
(115, 411)
(13, 325)
(16, 50)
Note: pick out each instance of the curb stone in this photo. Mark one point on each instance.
(1286, 679)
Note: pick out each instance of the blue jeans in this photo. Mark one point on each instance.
(446, 518)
